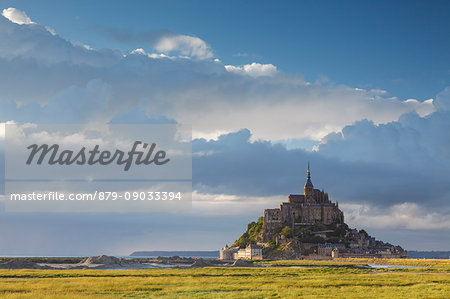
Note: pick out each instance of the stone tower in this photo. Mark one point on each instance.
(309, 188)
(310, 208)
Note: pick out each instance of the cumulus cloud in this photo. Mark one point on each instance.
(413, 141)
(391, 179)
(33, 45)
(397, 188)
(186, 45)
(20, 17)
(411, 216)
(235, 165)
(139, 51)
(16, 16)
(198, 92)
(375, 151)
(286, 107)
(163, 42)
(254, 69)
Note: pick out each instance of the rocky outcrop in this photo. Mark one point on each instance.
(102, 260)
(22, 264)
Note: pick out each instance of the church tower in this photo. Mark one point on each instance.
(309, 188)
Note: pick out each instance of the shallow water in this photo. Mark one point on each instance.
(376, 266)
(124, 267)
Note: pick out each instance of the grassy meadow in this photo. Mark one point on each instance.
(286, 279)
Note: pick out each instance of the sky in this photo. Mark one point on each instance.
(359, 89)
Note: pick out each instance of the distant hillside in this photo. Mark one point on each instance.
(428, 254)
(194, 254)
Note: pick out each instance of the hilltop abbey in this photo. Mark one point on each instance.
(311, 207)
(307, 226)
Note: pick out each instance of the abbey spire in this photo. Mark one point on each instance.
(312, 207)
(309, 188)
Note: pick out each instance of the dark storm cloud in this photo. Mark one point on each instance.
(404, 161)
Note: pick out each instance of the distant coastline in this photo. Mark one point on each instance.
(413, 254)
(193, 254)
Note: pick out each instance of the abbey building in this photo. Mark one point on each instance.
(311, 207)
(308, 225)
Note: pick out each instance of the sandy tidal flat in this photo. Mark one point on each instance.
(309, 279)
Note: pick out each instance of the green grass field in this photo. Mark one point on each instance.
(308, 279)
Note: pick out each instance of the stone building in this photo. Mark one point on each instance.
(251, 252)
(327, 249)
(311, 207)
(227, 253)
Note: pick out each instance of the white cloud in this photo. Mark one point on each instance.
(204, 93)
(186, 45)
(253, 70)
(406, 215)
(219, 204)
(160, 55)
(16, 16)
(139, 51)
(422, 108)
(36, 42)
(283, 107)
(51, 30)
(21, 18)
(81, 45)
(216, 99)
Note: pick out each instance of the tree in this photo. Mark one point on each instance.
(286, 231)
(251, 236)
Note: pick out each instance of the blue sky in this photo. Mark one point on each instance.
(400, 47)
(358, 88)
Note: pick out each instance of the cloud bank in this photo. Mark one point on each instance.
(213, 97)
(381, 157)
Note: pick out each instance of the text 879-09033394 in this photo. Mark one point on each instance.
(99, 195)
